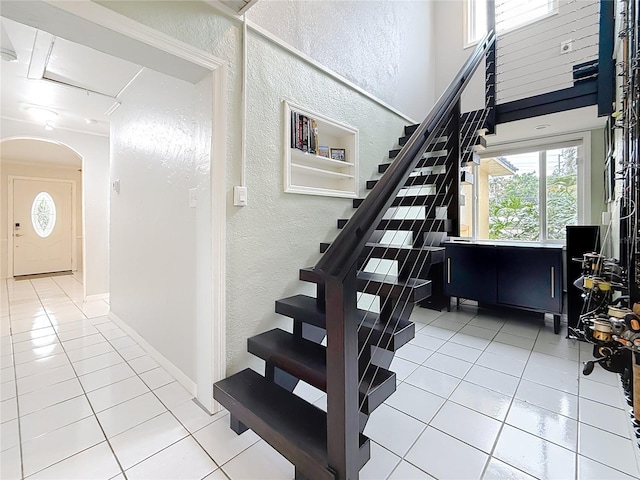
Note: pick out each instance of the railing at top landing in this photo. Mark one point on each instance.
(338, 268)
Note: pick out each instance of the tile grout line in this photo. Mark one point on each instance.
(503, 422)
(88, 401)
(15, 378)
(152, 391)
(87, 398)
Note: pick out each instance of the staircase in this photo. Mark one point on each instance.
(402, 222)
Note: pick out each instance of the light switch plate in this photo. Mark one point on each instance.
(240, 196)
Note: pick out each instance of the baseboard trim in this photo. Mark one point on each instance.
(174, 371)
(98, 296)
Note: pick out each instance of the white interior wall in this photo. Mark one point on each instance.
(450, 53)
(277, 233)
(94, 150)
(203, 237)
(384, 47)
(153, 228)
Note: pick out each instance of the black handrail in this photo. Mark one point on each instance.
(344, 251)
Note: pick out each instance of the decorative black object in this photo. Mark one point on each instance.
(581, 239)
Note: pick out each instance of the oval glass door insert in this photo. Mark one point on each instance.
(43, 214)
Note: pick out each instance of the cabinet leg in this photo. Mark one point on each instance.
(556, 324)
(237, 426)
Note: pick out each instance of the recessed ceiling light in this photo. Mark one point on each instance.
(42, 114)
(7, 52)
(8, 55)
(543, 126)
(90, 121)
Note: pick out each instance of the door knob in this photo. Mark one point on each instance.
(19, 234)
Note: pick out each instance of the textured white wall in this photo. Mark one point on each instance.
(153, 236)
(385, 47)
(277, 233)
(450, 53)
(95, 176)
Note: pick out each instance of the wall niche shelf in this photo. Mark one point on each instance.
(310, 141)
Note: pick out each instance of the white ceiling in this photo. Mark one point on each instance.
(75, 81)
(578, 120)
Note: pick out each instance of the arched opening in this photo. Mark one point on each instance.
(32, 169)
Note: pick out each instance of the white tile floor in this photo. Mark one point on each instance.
(479, 396)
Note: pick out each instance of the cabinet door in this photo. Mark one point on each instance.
(530, 278)
(471, 272)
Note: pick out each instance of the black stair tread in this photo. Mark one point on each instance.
(390, 335)
(307, 361)
(466, 119)
(417, 226)
(291, 425)
(436, 144)
(411, 200)
(410, 289)
(415, 180)
(437, 159)
(409, 129)
(398, 252)
(466, 177)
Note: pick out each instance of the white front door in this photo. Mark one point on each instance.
(42, 226)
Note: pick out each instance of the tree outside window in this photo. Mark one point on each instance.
(514, 200)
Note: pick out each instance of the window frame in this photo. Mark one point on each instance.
(468, 16)
(580, 139)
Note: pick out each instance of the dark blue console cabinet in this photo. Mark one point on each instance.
(525, 276)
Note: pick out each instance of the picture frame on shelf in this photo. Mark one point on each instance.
(323, 151)
(339, 154)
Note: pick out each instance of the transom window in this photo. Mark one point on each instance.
(510, 14)
(43, 214)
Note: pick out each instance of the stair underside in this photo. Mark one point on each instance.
(307, 361)
(392, 334)
(294, 427)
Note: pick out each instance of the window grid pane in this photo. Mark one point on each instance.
(562, 191)
(512, 203)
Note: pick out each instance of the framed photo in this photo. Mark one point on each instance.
(323, 151)
(339, 154)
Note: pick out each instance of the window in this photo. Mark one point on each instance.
(510, 14)
(43, 214)
(530, 196)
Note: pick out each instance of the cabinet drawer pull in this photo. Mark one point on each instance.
(448, 269)
(553, 283)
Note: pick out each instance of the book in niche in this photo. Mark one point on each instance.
(305, 133)
(314, 137)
